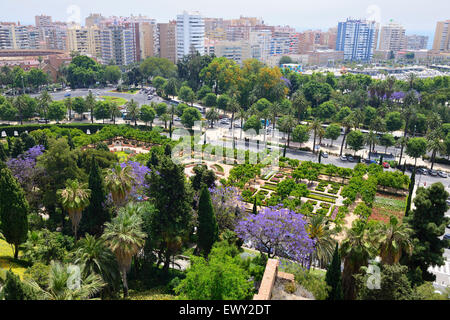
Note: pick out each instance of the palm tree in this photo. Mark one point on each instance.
(324, 244)
(119, 182)
(90, 104)
(394, 239)
(286, 124)
(61, 285)
(347, 124)
(299, 103)
(165, 117)
(96, 257)
(356, 250)
(114, 111)
(68, 103)
(233, 107)
(43, 101)
(371, 139)
(75, 198)
(133, 110)
(242, 115)
(315, 126)
(408, 112)
(275, 110)
(20, 104)
(125, 238)
(212, 115)
(435, 144)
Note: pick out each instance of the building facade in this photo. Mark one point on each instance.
(190, 34)
(356, 38)
(392, 38)
(442, 37)
(167, 33)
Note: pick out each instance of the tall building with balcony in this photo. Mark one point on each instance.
(43, 21)
(442, 37)
(392, 38)
(167, 33)
(416, 42)
(118, 45)
(356, 38)
(190, 34)
(237, 51)
(85, 41)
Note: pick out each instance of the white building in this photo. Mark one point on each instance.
(190, 34)
(237, 51)
(392, 38)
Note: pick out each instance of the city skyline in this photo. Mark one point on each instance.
(300, 14)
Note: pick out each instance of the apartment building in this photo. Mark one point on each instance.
(118, 45)
(441, 41)
(392, 38)
(237, 51)
(416, 42)
(167, 33)
(356, 38)
(85, 41)
(190, 34)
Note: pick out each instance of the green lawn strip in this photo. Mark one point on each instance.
(316, 197)
(119, 101)
(7, 261)
(324, 194)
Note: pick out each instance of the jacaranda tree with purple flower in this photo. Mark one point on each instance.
(278, 232)
(228, 206)
(138, 172)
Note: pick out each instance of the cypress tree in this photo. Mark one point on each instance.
(255, 208)
(208, 230)
(333, 277)
(153, 161)
(411, 189)
(13, 211)
(95, 215)
(3, 154)
(13, 289)
(17, 148)
(168, 150)
(70, 142)
(27, 140)
(9, 142)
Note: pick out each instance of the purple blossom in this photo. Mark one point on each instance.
(228, 206)
(279, 232)
(24, 166)
(138, 172)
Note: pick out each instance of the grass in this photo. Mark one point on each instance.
(122, 155)
(219, 168)
(132, 91)
(119, 101)
(317, 197)
(157, 293)
(384, 207)
(7, 261)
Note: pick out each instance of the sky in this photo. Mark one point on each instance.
(417, 16)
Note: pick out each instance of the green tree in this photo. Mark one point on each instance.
(355, 140)
(394, 121)
(112, 74)
(189, 116)
(124, 236)
(119, 182)
(74, 198)
(186, 94)
(58, 285)
(90, 104)
(333, 132)
(394, 284)
(220, 277)
(96, 213)
(160, 108)
(147, 114)
(13, 211)
(210, 100)
(300, 134)
(44, 101)
(333, 277)
(208, 230)
(133, 110)
(253, 123)
(428, 223)
(57, 111)
(387, 140)
(416, 148)
(212, 115)
(394, 240)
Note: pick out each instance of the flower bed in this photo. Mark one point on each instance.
(275, 180)
(325, 205)
(317, 197)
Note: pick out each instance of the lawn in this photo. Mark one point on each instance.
(122, 156)
(7, 262)
(157, 293)
(384, 206)
(132, 91)
(119, 101)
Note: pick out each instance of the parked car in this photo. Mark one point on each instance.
(369, 161)
(442, 174)
(386, 165)
(177, 119)
(42, 121)
(432, 173)
(324, 155)
(447, 236)
(343, 158)
(422, 171)
(350, 159)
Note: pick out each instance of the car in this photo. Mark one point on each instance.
(448, 202)
(350, 159)
(177, 119)
(447, 236)
(369, 161)
(42, 121)
(386, 165)
(422, 171)
(324, 155)
(432, 173)
(442, 174)
(343, 158)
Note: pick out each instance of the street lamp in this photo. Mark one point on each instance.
(23, 86)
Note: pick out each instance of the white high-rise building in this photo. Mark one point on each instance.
(190, 34)
(392, 38)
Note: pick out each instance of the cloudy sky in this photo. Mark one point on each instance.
(418, 16)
